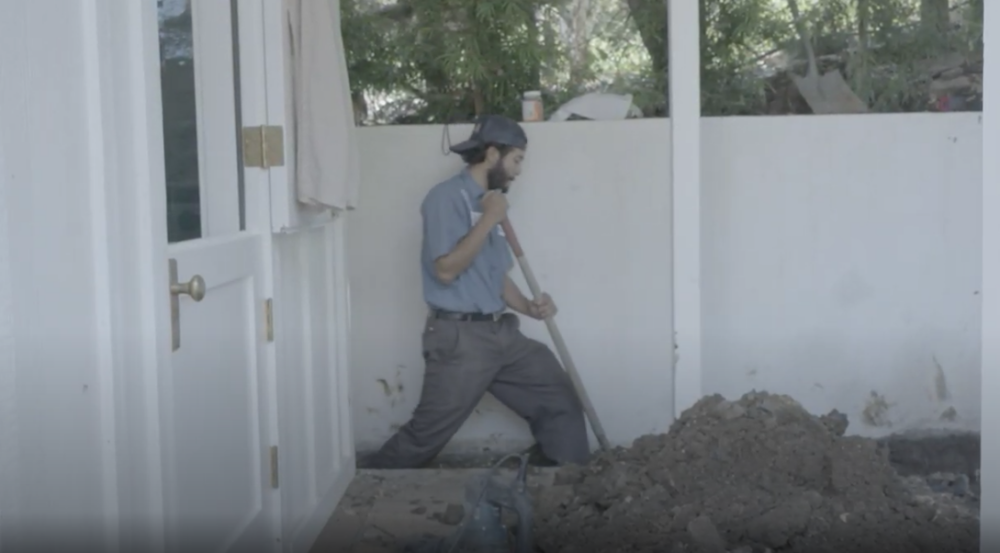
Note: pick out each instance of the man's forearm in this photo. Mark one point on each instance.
(449, 266)
(513, 297)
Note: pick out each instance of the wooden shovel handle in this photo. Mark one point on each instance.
(557, 339)
(515, 244)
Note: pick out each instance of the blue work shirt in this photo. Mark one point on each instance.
(449, 211)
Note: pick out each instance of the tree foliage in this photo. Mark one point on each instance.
(430, 61)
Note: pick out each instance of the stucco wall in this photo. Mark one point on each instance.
(592, 211)
(841, 256)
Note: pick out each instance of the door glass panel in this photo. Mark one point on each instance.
(180, 120)
(187, 200)
(234, 9)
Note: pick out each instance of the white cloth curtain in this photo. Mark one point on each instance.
(326, 149)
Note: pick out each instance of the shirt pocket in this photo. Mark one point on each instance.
(495, 251)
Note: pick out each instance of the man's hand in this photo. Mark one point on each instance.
(494, 207)
(542, 308)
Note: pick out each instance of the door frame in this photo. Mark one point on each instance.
(132, 201)
(291, 223)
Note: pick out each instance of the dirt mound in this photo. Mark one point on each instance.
(756, 474)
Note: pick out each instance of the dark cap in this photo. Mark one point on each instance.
(493, 129)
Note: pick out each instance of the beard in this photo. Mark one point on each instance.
(497, 178)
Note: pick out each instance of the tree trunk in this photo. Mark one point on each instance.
(859, 69)
(934, 15)
(651, 18)
(577, 17)
(536, 41)
(864, 18)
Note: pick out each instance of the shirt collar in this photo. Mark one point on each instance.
(470, 184)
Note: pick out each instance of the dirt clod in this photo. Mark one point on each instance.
(451, 516)
(755, 474)
(706, 536)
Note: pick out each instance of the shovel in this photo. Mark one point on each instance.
(557, 338)
(827, 94)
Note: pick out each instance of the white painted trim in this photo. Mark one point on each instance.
(337, 309)
(685, 168)
(10, 455)
(318, 223)
(307, 306)
(96, 53)
(989, 540)
(297, 221)
(140, 318)
(253, 83)
(279, 105)
(214, 73)
(339, 279)
(256, 184)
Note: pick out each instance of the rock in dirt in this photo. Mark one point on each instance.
(756, 474)
(706, 536)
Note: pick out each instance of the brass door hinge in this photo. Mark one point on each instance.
(264, 146)
(269, 319)
(274, 466)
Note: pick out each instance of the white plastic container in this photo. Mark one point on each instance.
(531, 107)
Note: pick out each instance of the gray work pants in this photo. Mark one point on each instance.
(466, 359)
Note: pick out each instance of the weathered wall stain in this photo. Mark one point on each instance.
(940, 382)
(385, 386)
(393, 391)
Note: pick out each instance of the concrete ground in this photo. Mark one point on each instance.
(383, 510)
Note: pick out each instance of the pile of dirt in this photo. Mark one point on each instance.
(756, 474)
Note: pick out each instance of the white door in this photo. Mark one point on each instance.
(215, 401)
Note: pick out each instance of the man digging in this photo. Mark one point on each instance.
(471, 345)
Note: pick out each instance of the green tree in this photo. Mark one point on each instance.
(429, 61)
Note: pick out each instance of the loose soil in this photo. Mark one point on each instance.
(752, 475)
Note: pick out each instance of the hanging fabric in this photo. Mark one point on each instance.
(326, 150)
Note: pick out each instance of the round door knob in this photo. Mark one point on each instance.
(194, 288)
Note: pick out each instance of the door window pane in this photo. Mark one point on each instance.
(180, 120)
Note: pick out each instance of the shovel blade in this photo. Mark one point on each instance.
(829, 94)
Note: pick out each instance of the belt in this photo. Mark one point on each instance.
(455, 316)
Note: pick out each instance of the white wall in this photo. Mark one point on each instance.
(55, 380)
(840, 256)
(592, 210)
